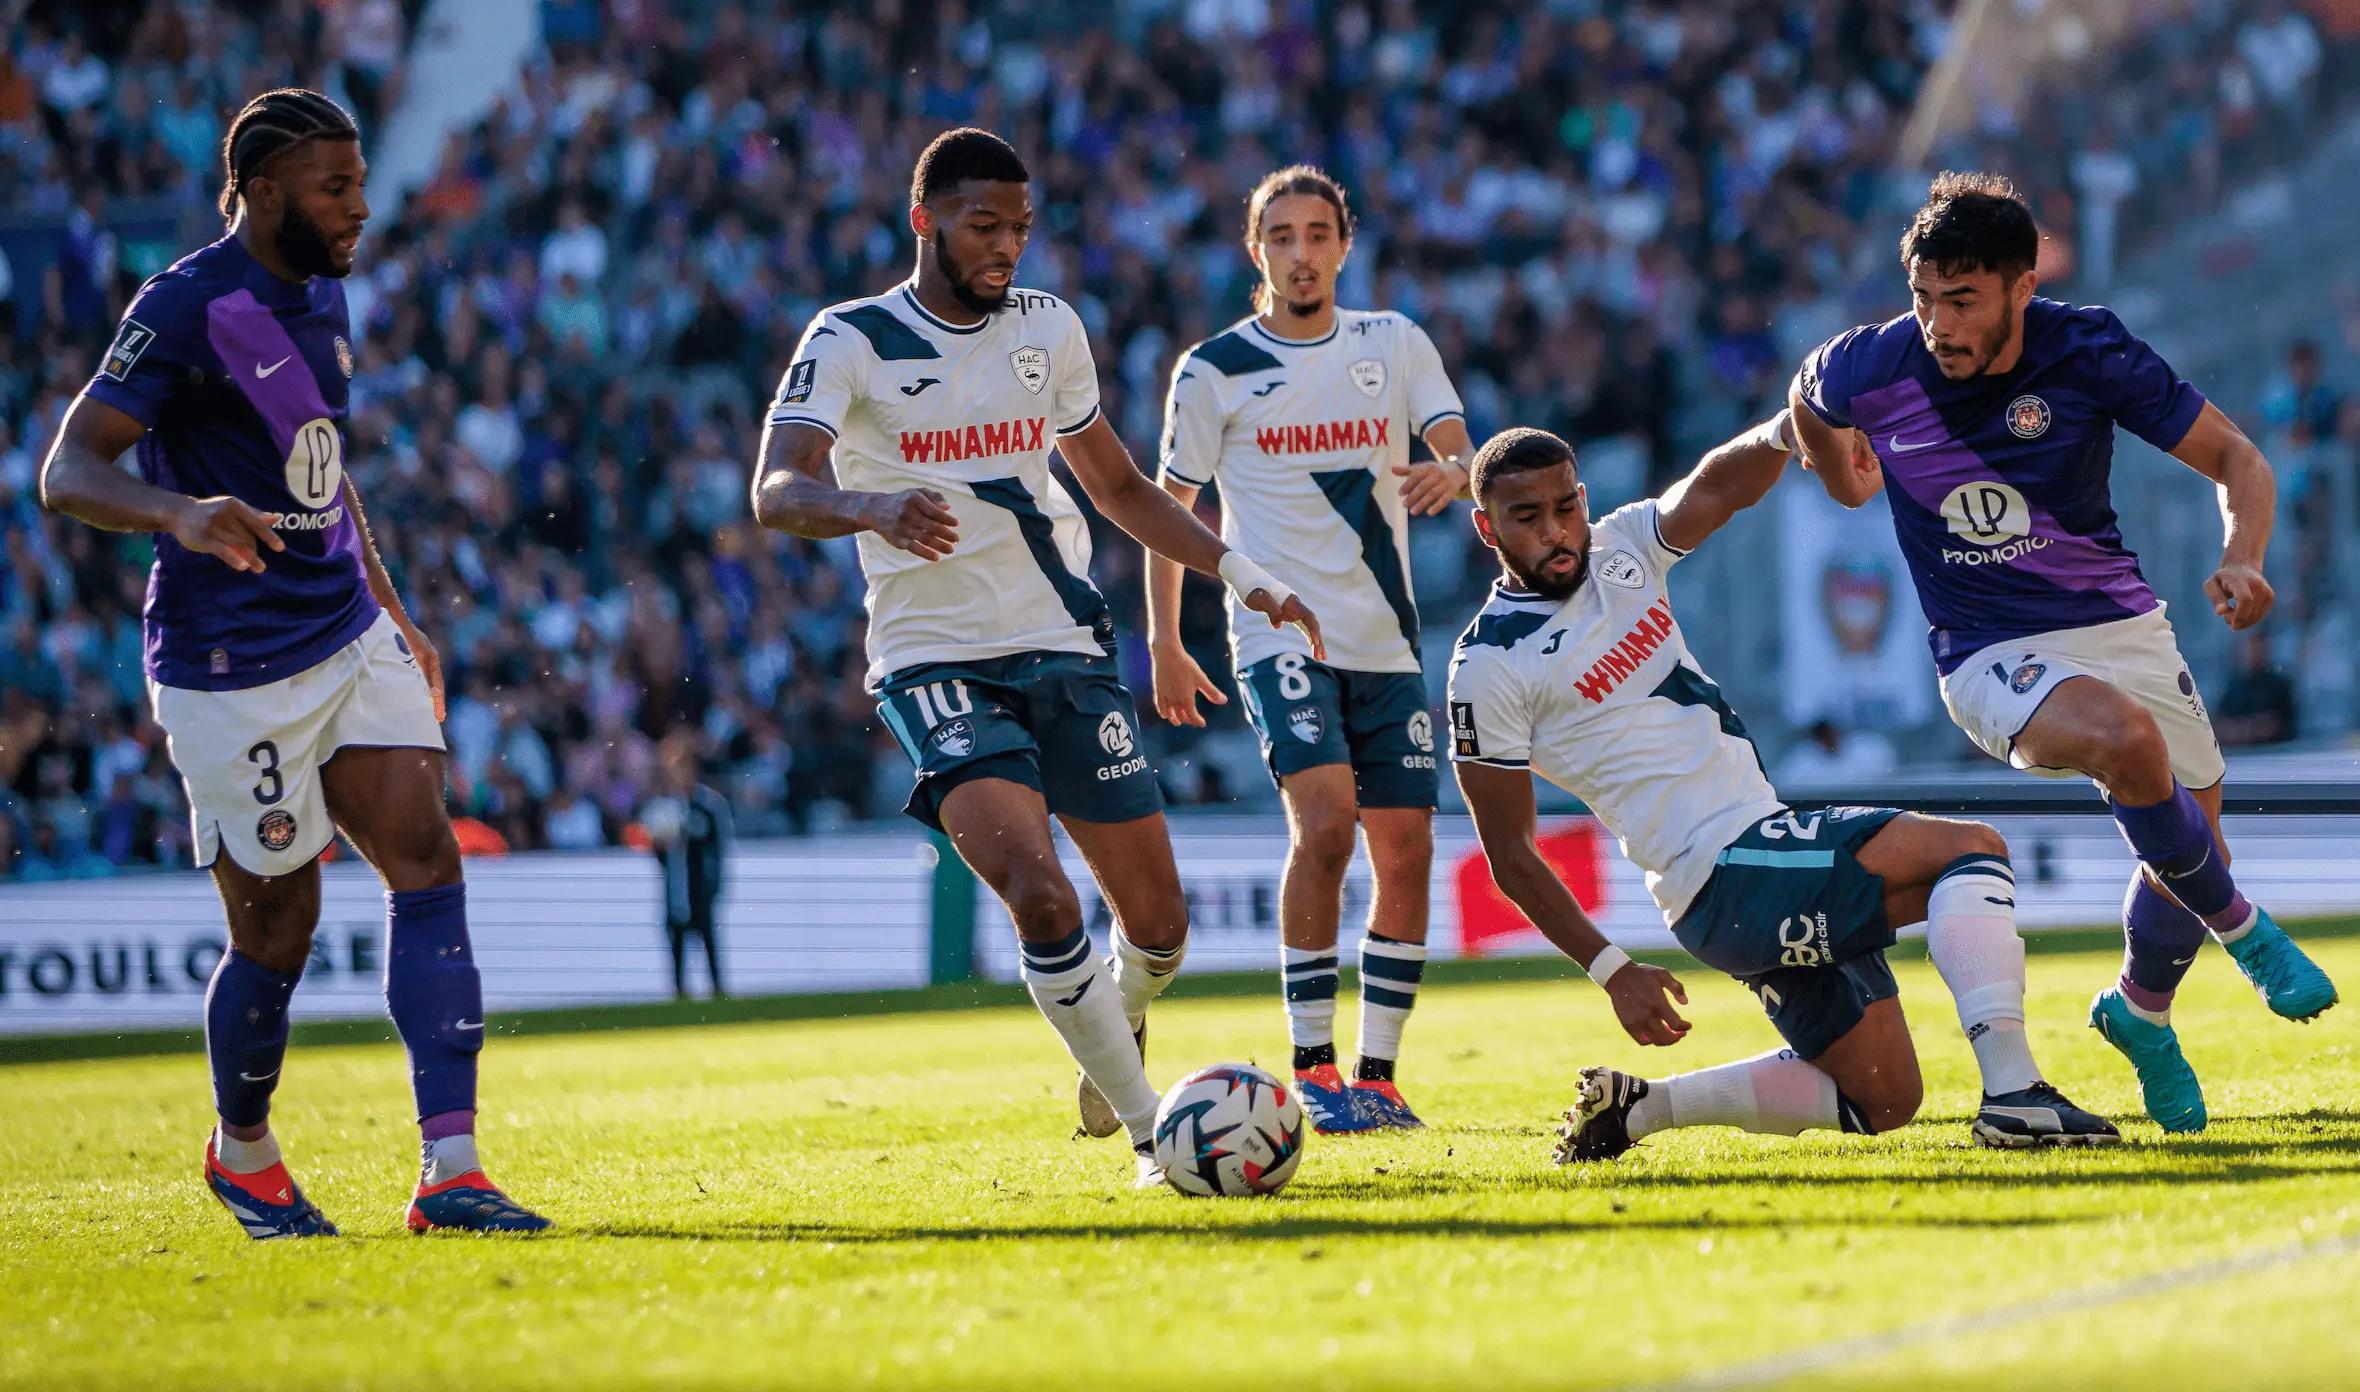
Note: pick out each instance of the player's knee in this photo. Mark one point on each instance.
(1979, 838)
(1891, 1099)
(1323, 839)
(1041, 901)
(2135, 754)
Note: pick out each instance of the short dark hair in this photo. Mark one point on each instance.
(1972, 222)
(1518, 450)
(955, 156)
(269, 126)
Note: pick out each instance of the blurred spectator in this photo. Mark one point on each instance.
(1830, 758)
(689, 829)
(2258, 707)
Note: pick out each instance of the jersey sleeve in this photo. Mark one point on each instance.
(1490, 720)
(1639, 526)
(1075, 380)
(1431, 396)
(823, 380)
(160, 342)
(1191, 450)
(2140, 390)
(1830, 376)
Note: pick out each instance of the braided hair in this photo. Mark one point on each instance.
(270, 125)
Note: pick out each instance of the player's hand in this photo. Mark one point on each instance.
(2240, 595)
(917, 520)
(1859, 477)
(428, 658)
(1642, 997)
(1295, 612)
(229, 529)
(1178, 682)
(1429, 485)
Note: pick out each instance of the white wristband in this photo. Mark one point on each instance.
(1241, 574)
(1777, 432)
(1610, 959)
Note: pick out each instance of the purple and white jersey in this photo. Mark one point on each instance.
(242, 380)
(1998, 484)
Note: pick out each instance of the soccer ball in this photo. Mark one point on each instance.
(1230, 1130)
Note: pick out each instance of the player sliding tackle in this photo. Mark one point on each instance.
(991, 654)
(1992, 411)
(1304, 413)
(298, 697)
(1576, 670)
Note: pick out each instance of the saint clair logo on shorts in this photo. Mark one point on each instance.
(1462, 730)
(973, 441)
(130, 341)
(276, 830)
(2028, 417)
(1802, 941)
(1306, 723)
(1366, 433)
(1622, 568)
(955, 738)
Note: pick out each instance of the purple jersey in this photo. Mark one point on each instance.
(241, 379)
(1998, 484)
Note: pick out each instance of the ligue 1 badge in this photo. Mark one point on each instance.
(344, 355)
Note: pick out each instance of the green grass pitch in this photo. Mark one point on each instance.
(893, 1200)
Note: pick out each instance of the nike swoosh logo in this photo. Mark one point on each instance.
(2182, 961)
(1894, 443)
(468, 1024)
(1079, 991)
(2003, 903)
(259, 1078)
(261, 372)
(1274, 386)
(920, 385)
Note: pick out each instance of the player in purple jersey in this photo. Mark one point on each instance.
(297, 696)
(1987, 416)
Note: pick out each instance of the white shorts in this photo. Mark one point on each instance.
(251, 759)
(1994, 694)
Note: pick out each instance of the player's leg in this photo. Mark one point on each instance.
(1391, 733)
(257, 821)
(1132, 862)
(1297, 707)
(705, 928)
(1956, 877)
(676, 937)
(384, 786)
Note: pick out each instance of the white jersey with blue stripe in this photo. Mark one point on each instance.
(1599, 694)
(971, 411)
(1302, 435)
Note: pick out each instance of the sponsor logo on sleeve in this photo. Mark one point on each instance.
(1462, 730)
(799, 379)
(131, 340)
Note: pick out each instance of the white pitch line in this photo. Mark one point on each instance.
(1839, 1353)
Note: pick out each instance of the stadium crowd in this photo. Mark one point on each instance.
(1623, 221)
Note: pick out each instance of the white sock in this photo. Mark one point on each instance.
(1310, 977)
(1142, 973)
(447, 1158)
(1389, 975)
(245, 1157)
(1971, 935)
(1070, 988)
(1775, 1094)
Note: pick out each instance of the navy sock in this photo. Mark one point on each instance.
(246, 1036)
(434, 994)
(2173, 838)
(2160, 941)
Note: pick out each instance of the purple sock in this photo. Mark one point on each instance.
(2160, 940)
(444, 1125)
(434, 994)
(2174, 839)
(246, 1036)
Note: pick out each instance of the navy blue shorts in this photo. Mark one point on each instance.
(1790, 913)
(1062, 724)
(1309, 714)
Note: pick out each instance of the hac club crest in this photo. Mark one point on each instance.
(1305, 722)
(1368, 374)
(2028, 417)
(1032, 367)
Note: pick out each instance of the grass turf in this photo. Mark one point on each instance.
(893, 1200)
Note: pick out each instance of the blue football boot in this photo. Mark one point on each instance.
(2166, 1083)
(1334, 1107)
(266, 1203)
(2290, 983)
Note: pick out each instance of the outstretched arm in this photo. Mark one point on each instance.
(1177, 678)
(795, 492)
(1845, 465)
(1159, 522)
(80, 480)
(2217, 449)
(1729, 479)
(1505, 819)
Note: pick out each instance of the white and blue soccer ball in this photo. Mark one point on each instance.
(1229, 1130)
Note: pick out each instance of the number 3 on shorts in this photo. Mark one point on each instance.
(1293, 682)
(273, 784)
